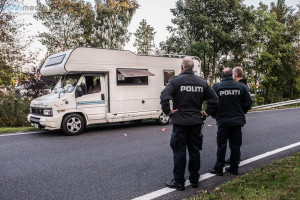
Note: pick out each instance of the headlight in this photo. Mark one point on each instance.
(48, 112)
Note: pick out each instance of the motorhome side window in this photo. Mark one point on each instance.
(90, 85)
(133, 76)
(167, 75)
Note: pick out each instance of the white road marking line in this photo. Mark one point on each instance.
(20, 133)
(166, 190)
(245, 162)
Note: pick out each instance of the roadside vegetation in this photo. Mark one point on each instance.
(279, 180)
(17, 129)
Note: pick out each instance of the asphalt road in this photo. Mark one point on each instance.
(125, 161)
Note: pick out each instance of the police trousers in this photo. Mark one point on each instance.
(186, 137)
(234, 135)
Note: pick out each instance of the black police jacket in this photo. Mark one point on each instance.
(244, 82)
(234, 102)
(187, 91)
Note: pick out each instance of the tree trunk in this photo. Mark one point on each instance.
(213, 70)
(268, 95)
(204, 67)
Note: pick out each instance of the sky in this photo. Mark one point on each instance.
(156, 12)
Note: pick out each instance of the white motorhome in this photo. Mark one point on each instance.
(103, 86)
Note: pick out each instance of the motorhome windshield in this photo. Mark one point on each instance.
(66, 84)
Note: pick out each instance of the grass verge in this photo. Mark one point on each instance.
(279, 180)
(17, 129)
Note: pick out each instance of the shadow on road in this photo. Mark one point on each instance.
(104, 127)
(113, 126)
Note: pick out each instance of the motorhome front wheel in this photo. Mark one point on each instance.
(73, 124)
(163, 119)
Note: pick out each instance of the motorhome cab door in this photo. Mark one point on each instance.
(94, 101)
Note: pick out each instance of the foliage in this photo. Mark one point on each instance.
(112, 20)
(63, 21)
(13, 106)
(6, 72)
(276, 32)
(144, 39)
(17, 129)
(264, 41)
(210, 30)
(74, 23)
(12, 51)
(34, 85)
(279, 180)
(9, 51)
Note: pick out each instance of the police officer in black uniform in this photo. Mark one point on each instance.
(234, 103)
(238, 76)
(187, 91)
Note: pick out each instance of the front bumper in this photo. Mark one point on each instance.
(50, 123)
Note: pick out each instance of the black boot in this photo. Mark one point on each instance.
(174, 184)
(233, 172)
(216, 172)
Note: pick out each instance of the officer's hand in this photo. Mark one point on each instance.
(174, 111)
(203, 115)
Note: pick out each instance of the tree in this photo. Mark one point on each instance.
(74, 23)
(63, 19)
(12, 51)
(209, 29)
(177, 43)
(6, 74)
(112, 20)
(278, 31)
(144, 39)
(35, 85)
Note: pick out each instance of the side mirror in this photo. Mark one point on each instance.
(78, 91)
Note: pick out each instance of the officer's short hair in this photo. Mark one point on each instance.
(187, 63)
(227, 72)
(238, 71)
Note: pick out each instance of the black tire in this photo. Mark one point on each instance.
(73, 124)
(163, 119)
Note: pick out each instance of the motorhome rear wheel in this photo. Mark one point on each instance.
(73, 124)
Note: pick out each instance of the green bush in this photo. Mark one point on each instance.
(261, 101)
(13, 111)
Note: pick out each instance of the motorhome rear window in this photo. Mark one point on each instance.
(133, 76)
(55, 60)
(167, 75)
